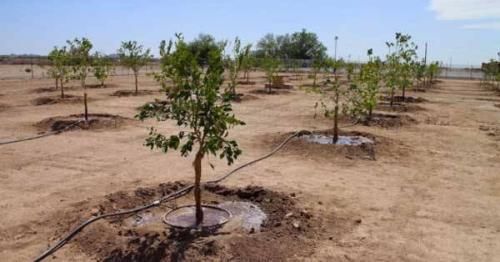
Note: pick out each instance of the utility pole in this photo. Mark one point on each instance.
(335, 55)
(425, 57)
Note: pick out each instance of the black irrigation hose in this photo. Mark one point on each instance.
(155, 203)
(40, 136)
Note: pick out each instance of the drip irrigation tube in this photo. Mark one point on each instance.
(40, 136)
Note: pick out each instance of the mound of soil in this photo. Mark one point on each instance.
(388, 120)
(96, 121)
(121, 93)
(52, 89)
(282, 86)
(288, 231)
(244, 97)
(44, 90)
(398, 107)
(50, 100)
(266, 92)
(491, 131)
(407, 99)
(100, 86)
(246, 82)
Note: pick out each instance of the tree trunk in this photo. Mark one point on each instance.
(248, 76)
(197, 189)
(86, 112)
(62, 89)
(86, 108)
(136, 83)
(392, 97)
(336, 119)
(370, 113)
(57, 83)
(404, 93)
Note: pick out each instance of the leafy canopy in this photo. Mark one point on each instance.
(80, 60)
(299, 45)
(133, 55)
(195, 102)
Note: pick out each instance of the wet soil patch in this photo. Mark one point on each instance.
(50, 100)
(121, 93)
(398, 107)
(407, 99)
(343, 140)
(303, 148)
(388, 120)
(288, 230)
(95, 121)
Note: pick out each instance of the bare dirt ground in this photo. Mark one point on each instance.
(430, 192)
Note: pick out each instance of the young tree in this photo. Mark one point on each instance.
(431, 72)
(80, 60)
(317, 66)
(247, 65)
(59, 71)
(235, 64)
(133, 56)
(102, 67)
(331, 93)
(400, 65)
(271, 67)
(365, 90)
(196, 102)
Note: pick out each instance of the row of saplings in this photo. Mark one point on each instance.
(197, 102)
(360, 94)
(76, 62)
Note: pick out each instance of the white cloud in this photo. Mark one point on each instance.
(466, 9)
(492, 25)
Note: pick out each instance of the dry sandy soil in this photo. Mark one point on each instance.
(429, 190)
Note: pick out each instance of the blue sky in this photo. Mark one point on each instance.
(466, 31)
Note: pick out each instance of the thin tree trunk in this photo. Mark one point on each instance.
(86, 112)
(404, 93)
(136, 83)
(248, 76)
(335, 119)
(197, 189)
(57, 83)
(392, 97)
(62, 89)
